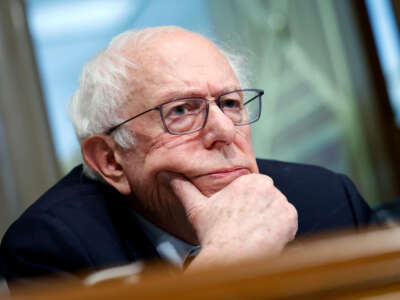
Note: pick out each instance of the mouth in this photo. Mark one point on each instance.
(229, 173)
(210, 183)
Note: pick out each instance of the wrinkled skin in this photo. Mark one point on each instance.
(203, 187)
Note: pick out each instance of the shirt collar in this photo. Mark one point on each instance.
(167, 246)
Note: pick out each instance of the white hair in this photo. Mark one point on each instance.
(105, 83)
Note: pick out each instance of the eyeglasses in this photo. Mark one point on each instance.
(188, 115)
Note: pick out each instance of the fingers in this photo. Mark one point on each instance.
(189, 195)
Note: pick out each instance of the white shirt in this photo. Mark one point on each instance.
(168, 246)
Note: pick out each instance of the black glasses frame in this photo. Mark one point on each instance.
(216, 100)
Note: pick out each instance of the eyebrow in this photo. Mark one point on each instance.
(174, 94)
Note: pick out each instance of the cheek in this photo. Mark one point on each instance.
(186, 155)
(243, 139)
(167, 153)
(182, 154)
(178, 156)
(245, 144)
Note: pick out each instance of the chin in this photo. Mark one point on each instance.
(208, 185)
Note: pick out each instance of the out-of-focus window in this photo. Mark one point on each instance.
(387, 41)
(306, 55)
(307, 58)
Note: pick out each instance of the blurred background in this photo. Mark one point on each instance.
(330, 70)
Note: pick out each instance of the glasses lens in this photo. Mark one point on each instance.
(243, 107)
(182, 116)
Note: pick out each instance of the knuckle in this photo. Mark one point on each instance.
(265, 184)
(292, 212)
(257, 179)
(266, 180)
(269, 180)
(294, 232)
(280, 197)
(293, 220)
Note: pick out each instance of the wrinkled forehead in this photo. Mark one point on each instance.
(157, 45)
(172, 44)
(177, 61)
(181, 53)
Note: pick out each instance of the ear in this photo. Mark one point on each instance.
(99, 153)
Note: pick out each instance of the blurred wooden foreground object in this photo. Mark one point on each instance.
(364, 265)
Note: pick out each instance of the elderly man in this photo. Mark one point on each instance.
(163, 122)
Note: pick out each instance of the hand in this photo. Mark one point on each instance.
(249, 218)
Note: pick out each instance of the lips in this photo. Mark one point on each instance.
(226, 173)
(211, 182)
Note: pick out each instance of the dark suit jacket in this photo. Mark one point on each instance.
(80, 223)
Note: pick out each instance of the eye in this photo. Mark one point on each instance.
(178, 110)
(233, 104)
(182, 108)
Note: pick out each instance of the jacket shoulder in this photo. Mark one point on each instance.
(75, 225)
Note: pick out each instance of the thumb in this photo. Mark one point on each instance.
(186, 191)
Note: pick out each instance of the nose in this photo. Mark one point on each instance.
(219, 129)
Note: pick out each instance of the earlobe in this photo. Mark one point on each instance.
(99, 152)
